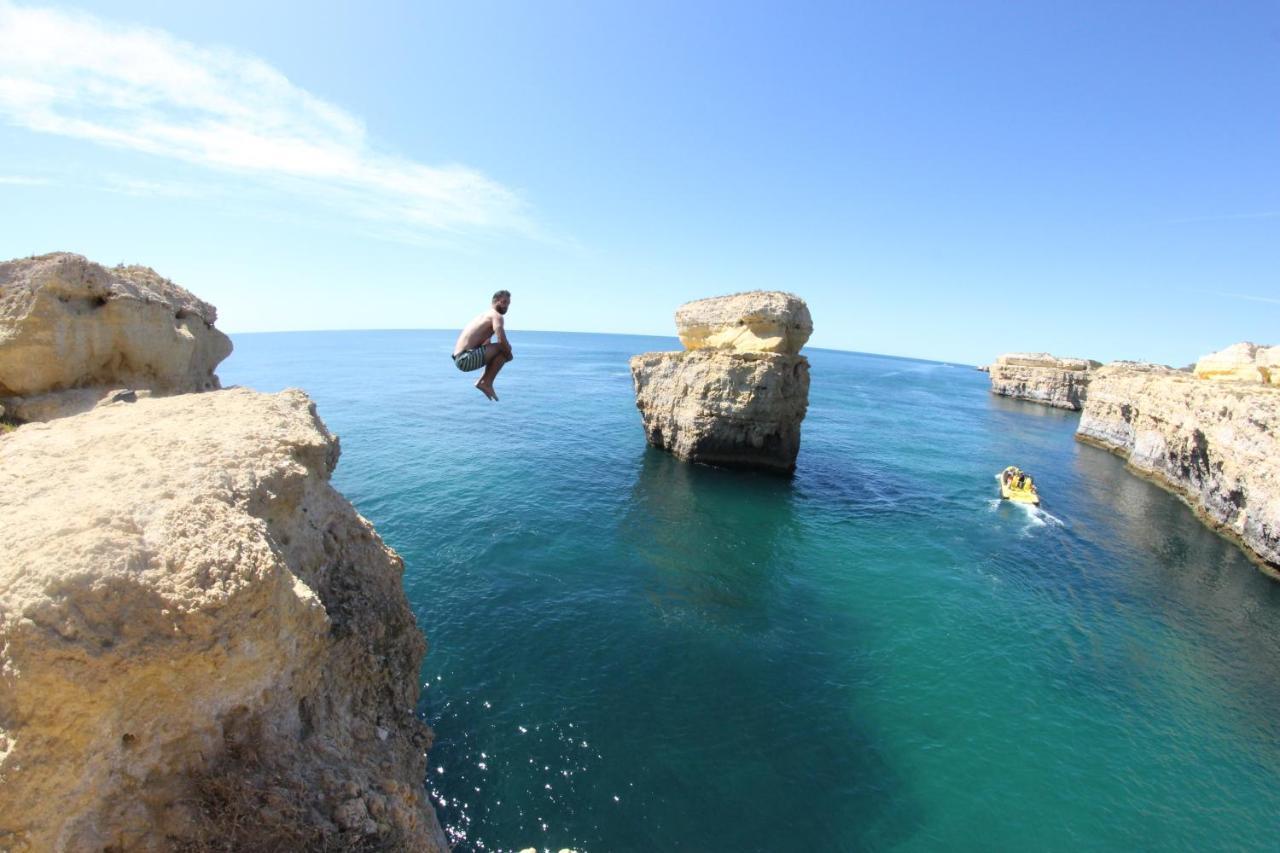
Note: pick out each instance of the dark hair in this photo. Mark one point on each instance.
(501, 294)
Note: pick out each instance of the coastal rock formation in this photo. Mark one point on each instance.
(1243, 362)
(758, 321)
(723, 405)
(1217, 444)
(69, 324)
(201, 642)
(1042, 378)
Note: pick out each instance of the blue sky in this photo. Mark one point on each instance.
(940, 180)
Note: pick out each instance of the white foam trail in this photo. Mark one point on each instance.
(1040, 518)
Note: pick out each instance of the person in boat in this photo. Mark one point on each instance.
(475, 348)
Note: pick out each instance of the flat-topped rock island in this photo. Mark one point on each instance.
(736, 395)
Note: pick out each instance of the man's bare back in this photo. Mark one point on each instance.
(477, 332)
(474, 349)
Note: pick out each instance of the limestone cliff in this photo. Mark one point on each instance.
(738, 395)
(757, 321)
(1217, 444)
(1042, 378)
(1243, 362)
(201, 642)
(67, 324)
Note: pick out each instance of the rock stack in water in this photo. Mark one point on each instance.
(737, 394)
(1216, 443)
(202, 644)
(1042, 378)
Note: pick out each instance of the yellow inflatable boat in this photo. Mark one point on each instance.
(1016, 486)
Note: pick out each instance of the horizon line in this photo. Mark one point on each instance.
(575, 332)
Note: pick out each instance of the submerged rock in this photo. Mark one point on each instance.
(1217, 444)
(67, 324)
(738, 395)
(1243, 362)
(1042, 378)
(201, 641)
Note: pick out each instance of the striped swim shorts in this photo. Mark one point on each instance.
(471, 359)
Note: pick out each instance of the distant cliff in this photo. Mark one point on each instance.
(737, 395)
(202, 645)
(1243, 362)
(1042, 378)
(1217, 444)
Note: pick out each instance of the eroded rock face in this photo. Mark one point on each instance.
(737, 396)
(757, 321)
(200, 639)
(740, 410)
(1042, 378)
(1216, 444)
(68, 323)
(1243, 362)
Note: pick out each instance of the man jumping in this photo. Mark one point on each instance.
(474, 350)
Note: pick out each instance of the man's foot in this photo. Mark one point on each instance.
(486, 389)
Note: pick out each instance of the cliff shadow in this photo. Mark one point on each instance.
(1005, 405)
(1185, 573)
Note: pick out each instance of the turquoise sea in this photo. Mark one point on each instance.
(629, 653)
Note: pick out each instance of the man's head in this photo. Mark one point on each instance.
(502, 301)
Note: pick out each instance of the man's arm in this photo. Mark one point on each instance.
(500, 329)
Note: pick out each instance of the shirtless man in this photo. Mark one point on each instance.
(473, 349)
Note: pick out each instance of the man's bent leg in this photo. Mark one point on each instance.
(494, 359)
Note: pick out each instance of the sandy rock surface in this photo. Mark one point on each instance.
(68, 323)
(1215, 443)
(737, 394)
(200, 639)
(723, 408)
(1243, 362)
(757, 321)
(1042, 378)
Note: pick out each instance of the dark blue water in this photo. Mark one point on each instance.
(631, 653)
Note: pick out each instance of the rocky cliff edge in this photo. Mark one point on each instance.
(202, 644)
(72, 332)
(1217, 444)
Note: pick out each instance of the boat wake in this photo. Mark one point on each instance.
(1039, 518)
(1035, 515)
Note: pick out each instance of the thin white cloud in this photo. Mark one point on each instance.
(22, 181)
(75, 75)
(1229, 217)
(1248, 298)
(141, 187)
